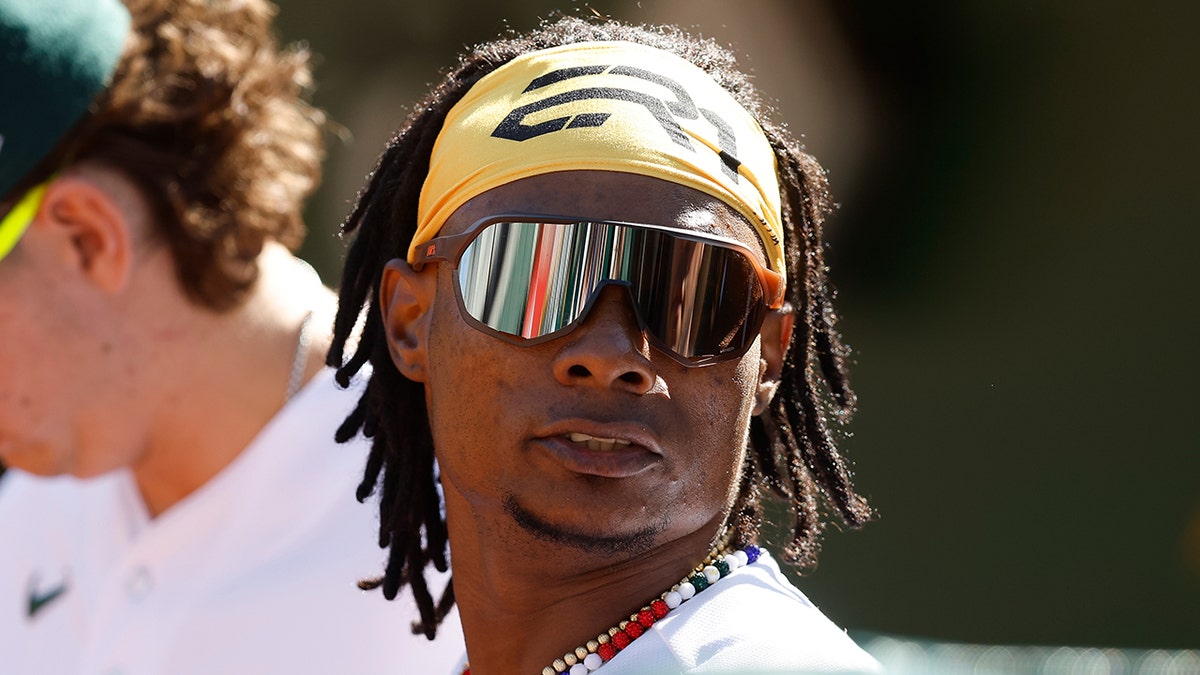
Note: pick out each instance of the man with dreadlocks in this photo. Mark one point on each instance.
(174, 502)
(598, 318)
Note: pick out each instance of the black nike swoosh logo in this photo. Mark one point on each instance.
(38, 601)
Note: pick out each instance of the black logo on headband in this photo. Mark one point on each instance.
(665, 112)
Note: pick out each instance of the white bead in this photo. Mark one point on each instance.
(732, 561)
(687, 590)
(593, 661)
(578, 669)
(712, 574)
(673, 599)
(742, 557)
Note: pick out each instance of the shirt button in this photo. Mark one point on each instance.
(140, 583)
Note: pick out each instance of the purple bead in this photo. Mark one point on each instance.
(752, 553)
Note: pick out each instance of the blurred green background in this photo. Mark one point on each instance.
(1015, 252)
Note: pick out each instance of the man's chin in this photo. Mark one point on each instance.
(585, 537)
(36, 460)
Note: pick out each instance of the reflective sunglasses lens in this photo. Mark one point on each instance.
(716, 312)
(532, 280)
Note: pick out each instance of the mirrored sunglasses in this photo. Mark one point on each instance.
(698, 297)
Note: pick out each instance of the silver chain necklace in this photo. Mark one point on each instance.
(300, 360)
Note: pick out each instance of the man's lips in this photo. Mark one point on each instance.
(605, 450)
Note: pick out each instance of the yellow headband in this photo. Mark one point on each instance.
(615, 106)
(17, 220)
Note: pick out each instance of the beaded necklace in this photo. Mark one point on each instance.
(599, 651)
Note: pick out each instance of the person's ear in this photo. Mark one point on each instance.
(88, 230)
(776, 337)
(406, 298)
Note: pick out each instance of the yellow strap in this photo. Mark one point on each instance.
(17, 220)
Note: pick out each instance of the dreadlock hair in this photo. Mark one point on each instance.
(792, 456)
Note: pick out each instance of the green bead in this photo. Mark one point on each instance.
(699, 581)
(722, 567)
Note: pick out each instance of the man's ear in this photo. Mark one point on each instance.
(406, 298)
(88, 230)
(776, 337)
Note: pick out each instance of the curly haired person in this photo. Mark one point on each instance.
(175, 502)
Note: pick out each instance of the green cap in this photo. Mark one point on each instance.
(55, 56)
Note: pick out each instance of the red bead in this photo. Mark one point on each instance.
(607, 651)
(659, 608)
(646, 618)
(634, 629)
(621, 640)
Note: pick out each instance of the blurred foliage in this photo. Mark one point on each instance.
(1015, 277)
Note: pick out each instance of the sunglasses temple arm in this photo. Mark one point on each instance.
(773, 285)
(441, 249)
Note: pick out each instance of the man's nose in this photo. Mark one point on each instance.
(608, 348)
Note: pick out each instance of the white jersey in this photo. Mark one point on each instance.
(752, 621)
(255, 572)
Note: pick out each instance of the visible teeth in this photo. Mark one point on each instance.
(593, 443)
